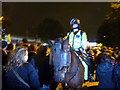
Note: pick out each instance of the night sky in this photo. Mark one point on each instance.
(26, 16)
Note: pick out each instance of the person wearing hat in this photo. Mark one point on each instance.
(77, 38)
(78, 41)
(24, 42)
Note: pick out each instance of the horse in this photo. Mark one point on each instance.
(68, 69)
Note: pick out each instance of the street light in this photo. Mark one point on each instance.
(104, 36)
(1, 18)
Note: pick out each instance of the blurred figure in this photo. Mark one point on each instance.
(18, 44)
(117, 76)
(25, 42)
(31, 54)
(117, 55)
(96, 53)
(90, 59)
(118, 58)
(105, 72)
(101, 55)
(42, 64)
(10, 51)
(48, 51)
(19, 74)
(4, 53)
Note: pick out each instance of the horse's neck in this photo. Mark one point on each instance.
(73, 58)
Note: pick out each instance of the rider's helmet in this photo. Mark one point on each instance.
(75, 21)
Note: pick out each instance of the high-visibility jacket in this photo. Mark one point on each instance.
(77, 40)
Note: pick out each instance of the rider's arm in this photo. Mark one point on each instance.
(84, 41)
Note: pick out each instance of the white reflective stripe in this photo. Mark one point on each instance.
(85, 67)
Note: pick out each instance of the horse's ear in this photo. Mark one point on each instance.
(51, 42)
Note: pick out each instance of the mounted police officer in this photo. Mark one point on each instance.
(78, 41)
(77, 38)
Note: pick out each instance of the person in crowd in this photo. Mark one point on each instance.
(19, 74)
(4, 53)
(116, 54)
(95, 57)
(98, 59)
(118, 58)
(117, 76)
(31, 54)
(18, 44)
(25, 42)
(105, 72)
(10, 51)
(42, 64)
(90, 56)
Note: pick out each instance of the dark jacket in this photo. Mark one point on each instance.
(27, 73)
(42, 64)
(31, 56)
(105, 75)
(117, 75)
(4, 58)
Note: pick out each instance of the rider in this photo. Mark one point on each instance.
(78, 41)
(77, 38)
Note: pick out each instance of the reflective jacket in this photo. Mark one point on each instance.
(77, 40)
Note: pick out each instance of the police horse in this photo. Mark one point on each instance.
(68, 69)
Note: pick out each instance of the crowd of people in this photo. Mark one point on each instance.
(27, 66)
(106, 62)
(31, 63)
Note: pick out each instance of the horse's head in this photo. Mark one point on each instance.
(66, 46)
(67, 66)
(61, 58)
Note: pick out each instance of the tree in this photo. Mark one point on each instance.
(50, 29)
(109, 32)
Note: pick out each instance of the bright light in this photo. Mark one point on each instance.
(93, 44)
(44, 44)
(1, 18)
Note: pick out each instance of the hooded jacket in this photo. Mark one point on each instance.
(105, 75)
